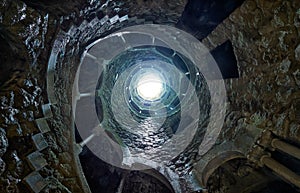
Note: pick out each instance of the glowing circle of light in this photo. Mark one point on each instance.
(150, 87)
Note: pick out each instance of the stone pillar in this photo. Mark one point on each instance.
(287, 148)
(281, 170)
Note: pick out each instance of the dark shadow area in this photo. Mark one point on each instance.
(5, 54)
(10, 68)
(277, 186)
(289, 161)
(56, 7)
(138, 182)
(226, 60)
(201, 17)
(101, 177)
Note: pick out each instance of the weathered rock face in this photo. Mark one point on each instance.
(265, 42)
(3, 142)
(265, 37)
(35, 144)
(26, 33)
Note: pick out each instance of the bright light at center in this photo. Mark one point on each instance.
(150, 87)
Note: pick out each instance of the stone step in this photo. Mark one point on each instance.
(42, 125)
(36, 160)
(35, 182)
(46, 108)
(39, 141)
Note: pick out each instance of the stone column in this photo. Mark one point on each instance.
(287, 148)
(281, 170)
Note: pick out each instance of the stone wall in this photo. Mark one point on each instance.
(36, 133)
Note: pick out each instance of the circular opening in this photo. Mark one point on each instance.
(150, 87)
(151, 98)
